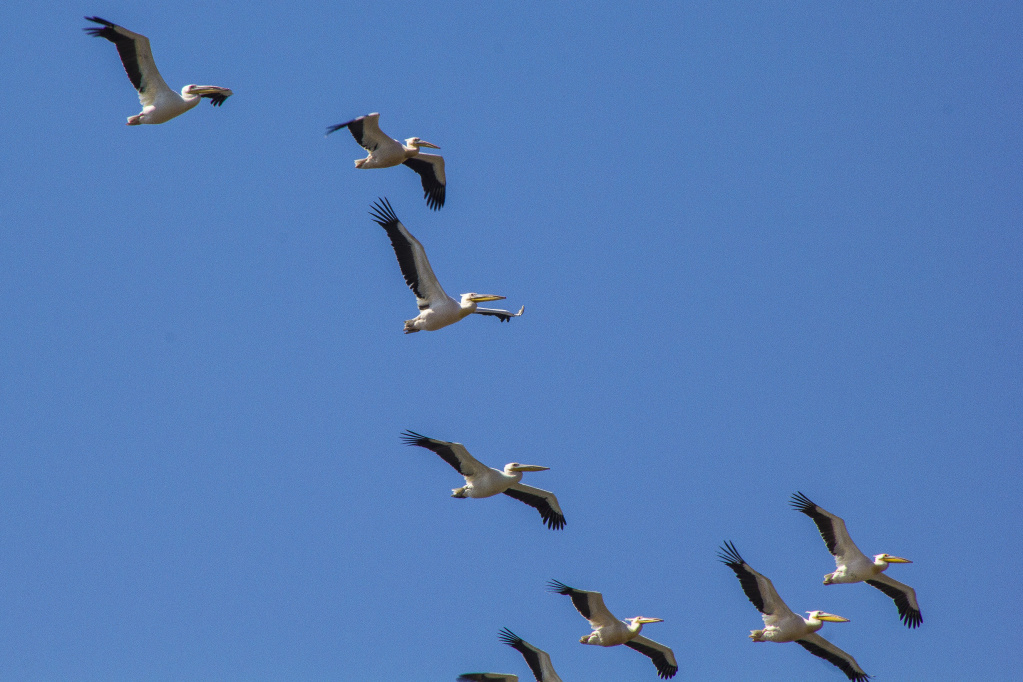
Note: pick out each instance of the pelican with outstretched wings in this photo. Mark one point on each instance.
(385, 152)
(484, 481)
(436, 308)
(781, 624)
(853, 566)
(159, 102)
(609, 631)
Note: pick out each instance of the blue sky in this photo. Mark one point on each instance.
(761, 250)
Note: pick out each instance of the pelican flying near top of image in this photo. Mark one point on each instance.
(436, 308)
(609, 631)
(782, 625)
(385, 152)
(159, 102)
(484, 481)
(853, 566)
(537, 660)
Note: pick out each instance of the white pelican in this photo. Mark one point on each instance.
(483, 481)
(159, 103)
(436, 308)
(385, 152)
(854, 566)
(609, 631)
(537, 660)
(784, 626)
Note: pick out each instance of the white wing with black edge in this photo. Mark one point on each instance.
(503, 315)
(366, 131)
(537, 659)
(136, 56)
(589, 604)
(415, 267)
(758, 588)
(431, 171)
(662, 656)
(454, 454)
(832, 529)
(541, 500)
(904, 597)
(818, 646)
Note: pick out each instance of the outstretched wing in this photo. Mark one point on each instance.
(662, 656)
(757, 587)
(411, 256)
(503, 315)
(537, 659)
(832, 529)
(454, 454)
(589, 604)
(365, 130)
(904, 597)
(136, 57)
(818, 646)
(431, 171)
(541, 500)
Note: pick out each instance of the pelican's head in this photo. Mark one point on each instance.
(636, 624)
(825, 616)
(417, 143)
(515, 466)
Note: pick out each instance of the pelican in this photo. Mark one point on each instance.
(385, 152)
(784, 626)
(436, 308)
(537, 660)
(854, 566)
(159, 103)
(483, 481)
(609, 631)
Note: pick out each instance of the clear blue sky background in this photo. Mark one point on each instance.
(761, 250)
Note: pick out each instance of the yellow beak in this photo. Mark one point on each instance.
(649, 620)
(530, 467)
(486, 297)
(428, 144)
(832, 618)
(896, 560)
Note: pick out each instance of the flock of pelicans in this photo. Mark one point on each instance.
(437, 310)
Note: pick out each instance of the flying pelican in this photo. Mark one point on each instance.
(854, 566)
(782, 624)
(159, 103)
(385, 152)
(609, 631)
(436, 308)
(483, 481)
(537, 660)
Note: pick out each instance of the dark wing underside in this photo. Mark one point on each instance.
(825, 524)
(554, 519)
(433, 187)
(730, 557)
(580, 598)
(664, 668)
(831, 657)
(216, 98)
(442, 448)
(385, 217)
(909, 615)
(125, 49)
(528, 651)
(503, 315)
(356, 128)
